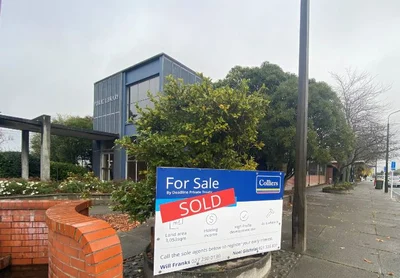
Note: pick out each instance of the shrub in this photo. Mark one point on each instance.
(10, 167)
(339, 187)
(60, 171)
(23, 187)
(135, 198)
(86, 183)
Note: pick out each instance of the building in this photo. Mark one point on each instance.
(115, 99)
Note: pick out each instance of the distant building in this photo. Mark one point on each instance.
(115, 99)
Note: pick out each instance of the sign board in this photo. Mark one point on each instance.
(384, 169)
(204, 216)
(393, 165)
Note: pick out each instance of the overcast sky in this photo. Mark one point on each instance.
(51, 52)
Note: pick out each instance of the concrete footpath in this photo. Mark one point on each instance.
(351, 235)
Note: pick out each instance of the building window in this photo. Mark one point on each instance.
(135, 169)
(107, 162)
(137, 95)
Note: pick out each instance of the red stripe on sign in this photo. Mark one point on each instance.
(195, 205)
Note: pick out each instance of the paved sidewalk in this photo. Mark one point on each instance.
(352, 235)
(349, 235)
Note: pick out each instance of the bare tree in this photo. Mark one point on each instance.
(3, 138)
(363, 103)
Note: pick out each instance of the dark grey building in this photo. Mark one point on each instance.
(115, 99)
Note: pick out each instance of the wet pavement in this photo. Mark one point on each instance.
(349, 235)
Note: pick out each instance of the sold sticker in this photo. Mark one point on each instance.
(195, 205)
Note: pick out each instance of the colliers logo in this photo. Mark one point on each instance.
(268, 184)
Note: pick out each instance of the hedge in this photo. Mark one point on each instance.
(10, 167)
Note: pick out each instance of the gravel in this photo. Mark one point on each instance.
(282, 262)
(133, 267)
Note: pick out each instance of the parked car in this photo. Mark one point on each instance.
(396, 181)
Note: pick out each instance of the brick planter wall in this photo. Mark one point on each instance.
(80, 246)
(23, 231)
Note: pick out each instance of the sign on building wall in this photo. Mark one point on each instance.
(205, 216)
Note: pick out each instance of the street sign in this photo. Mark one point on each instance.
(384, 169)
(204, 216)
(393, 165)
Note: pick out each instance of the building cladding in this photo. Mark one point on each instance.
(115, 100)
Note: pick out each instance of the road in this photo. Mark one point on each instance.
(397, 192)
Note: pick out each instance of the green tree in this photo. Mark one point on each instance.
(193, 126)
(329, 137)
(67, 149)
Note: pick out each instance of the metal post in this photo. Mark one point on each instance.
(299, 216)
(387, 151)
(391, 187)
(387, 157)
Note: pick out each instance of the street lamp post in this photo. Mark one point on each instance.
(387, 152)
(299, 215)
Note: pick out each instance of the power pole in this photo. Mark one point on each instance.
(299, 216)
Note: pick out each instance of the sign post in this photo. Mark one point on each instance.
(393, 168)
(204, 216)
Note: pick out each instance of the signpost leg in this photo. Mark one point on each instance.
(391, 187)
(299, 216)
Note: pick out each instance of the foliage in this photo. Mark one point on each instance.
(67, 149)
(60, 171)
(192, 126)
(23, 187)
(345, 186)
(10, 167)
(136, 198)
(85, 184)
(329, 137)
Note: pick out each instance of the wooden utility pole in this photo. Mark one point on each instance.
(299, 216)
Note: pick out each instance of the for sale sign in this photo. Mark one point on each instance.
(205, 216)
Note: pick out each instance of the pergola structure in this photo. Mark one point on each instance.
(43, 125)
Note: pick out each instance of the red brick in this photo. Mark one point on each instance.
(21, 249)
(114, 272)
(40, 260)
(39, 248)
(5, 237)
(39, 225)
(17, 218)
(100, 244)
(5, 225)
(12, 231)
(77, 264)
(22, 224)
(63, 257)
(72, 252)
(34, 243)
(108, 264)
(104, 254)
(21, 237)
(15, 243)
(32, 231)
(5, 249)
(39, 218)
(40, 236)
(6, 219)
(21, 261)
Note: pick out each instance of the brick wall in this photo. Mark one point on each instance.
(80, 246)
(23, 231)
